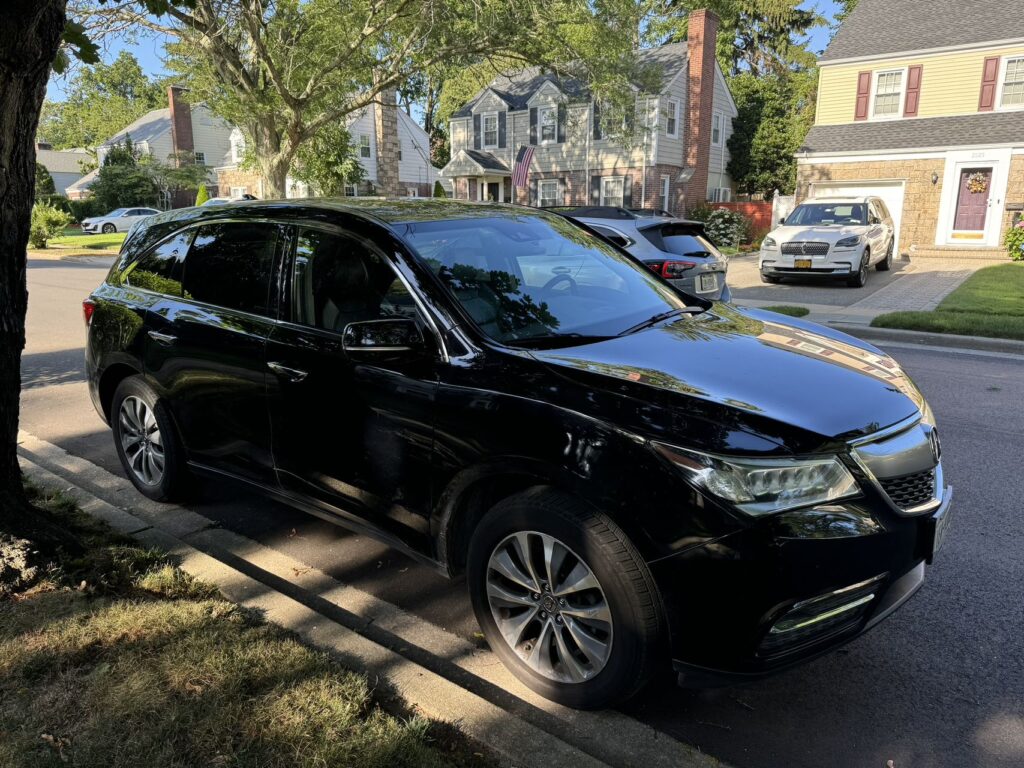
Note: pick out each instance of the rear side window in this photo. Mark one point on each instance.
(231, 265)
(160, 269)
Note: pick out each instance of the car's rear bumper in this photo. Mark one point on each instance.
(690, 284)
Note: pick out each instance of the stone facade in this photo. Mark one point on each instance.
(388, 147)
(1014, 193)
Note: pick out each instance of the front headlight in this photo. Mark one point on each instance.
(764, 486)
(849, 242)
(768, 243)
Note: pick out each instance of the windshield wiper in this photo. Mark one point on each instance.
(556, 340)
(662, 316)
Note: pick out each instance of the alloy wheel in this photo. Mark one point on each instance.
(549, 607)
(141, 440)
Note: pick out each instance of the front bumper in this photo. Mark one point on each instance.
(840, 263)
(791, 589)
(91, 228)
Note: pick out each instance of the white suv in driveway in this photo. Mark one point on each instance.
(834, 236)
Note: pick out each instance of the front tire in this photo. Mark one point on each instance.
(860, 277)
(146, 441)
(109, 229)
(886, 264)
(564, 599)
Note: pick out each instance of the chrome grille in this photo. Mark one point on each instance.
(911, 491)
(801, 248)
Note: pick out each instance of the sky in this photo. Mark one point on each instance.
(149, 50)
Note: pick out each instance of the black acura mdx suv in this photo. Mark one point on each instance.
(628, 476)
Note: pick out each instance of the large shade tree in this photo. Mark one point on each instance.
(283, 70)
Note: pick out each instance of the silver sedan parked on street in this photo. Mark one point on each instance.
(677, 249)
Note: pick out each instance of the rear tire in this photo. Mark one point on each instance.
(146, 441)
(886, 264)
(565, 542)
(109, 229)
(860, 277)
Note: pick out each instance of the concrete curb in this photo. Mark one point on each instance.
(445, 677)
(953, 341)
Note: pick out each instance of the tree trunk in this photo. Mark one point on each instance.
(274, 164)
(30, 33)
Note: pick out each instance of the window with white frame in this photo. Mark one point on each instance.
(351, 190)
(237, 147)
(490, 122)
(547, 192)
(548, 124)
(672, 121)
(364, 145)
(200, 158)
(716, 129)
(888, 94)
(1012, 94)
(613, 191)
(237, 191)
(412, 192)
(666, 182)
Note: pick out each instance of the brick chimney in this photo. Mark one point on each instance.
(181, 121)
(386, 125)
(702, 35)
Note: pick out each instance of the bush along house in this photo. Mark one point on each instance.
(921, 102)
(676, 159)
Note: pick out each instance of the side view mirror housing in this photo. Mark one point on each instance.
(399, 335)
(782, 220)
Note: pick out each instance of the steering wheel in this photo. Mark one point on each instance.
(562, 278)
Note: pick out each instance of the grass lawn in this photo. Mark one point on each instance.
(989, 303)
(74, 239)
(789, 309)
(118, 659)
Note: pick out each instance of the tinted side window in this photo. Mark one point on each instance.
(340, 280)
(160, 269)
(231, 265)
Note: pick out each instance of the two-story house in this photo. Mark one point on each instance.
(179, 128)
(922, 103)
(676, 159)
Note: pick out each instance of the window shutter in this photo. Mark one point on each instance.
(561, 192)
(596, 112)
(595, 190)
(989, 76)
(533, 192)
(863, 96)
(630, 119)
(501, 130)
(913, 91)
(627, 192)
(562, 114)
(476, 131)
(533, 125)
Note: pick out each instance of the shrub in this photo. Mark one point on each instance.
(1014, 241)
(83, 209)
(439, 190)
(726, 227)
(47, 223)
(202, 195)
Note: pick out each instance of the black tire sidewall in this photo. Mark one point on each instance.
(635, 634)
(860, 279)
(108, 229)
(172, 483)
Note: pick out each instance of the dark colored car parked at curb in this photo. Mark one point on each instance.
(631, 479)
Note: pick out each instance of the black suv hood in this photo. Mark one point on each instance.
(794, 373)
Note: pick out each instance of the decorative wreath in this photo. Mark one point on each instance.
(977, 183)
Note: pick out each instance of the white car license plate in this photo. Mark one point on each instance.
(802, 263)
(707, 283)
(940, 529)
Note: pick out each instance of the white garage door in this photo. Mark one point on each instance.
(891, 193)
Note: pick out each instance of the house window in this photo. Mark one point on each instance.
(351, 191)
(491, 130)
(1013, 83)
(548, 124)
(237, 192)
(412, 192)
(613, 190)
(547, 192)
(364, 145)
(672, 125)
(399, 150)
(200, 158)
(666, 182)
(237, 148)
(716, 129)
(888, 94)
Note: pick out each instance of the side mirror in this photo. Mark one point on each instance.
(782, 220)
(388, 336)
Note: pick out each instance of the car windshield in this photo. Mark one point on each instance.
(531, 279)
(116, 212)
(826, 214)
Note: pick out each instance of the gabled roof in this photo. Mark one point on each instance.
(879, 27)
(474, 161)
(486, 160)
(85, 182)
(150, 126)
(920, 133)
(516, 88)
(61, 160)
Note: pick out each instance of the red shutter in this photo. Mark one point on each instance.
(913, 91)
(863, 96)
(989, 76)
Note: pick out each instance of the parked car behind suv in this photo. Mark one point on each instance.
(836, 236)
(677, 249)
(630, 477)
(118, 220)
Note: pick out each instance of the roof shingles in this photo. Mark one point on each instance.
(961, 130)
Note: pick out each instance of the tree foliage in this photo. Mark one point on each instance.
(48, 221)
(44, 181)
(101, 101)
(130, 178)
(328, 162)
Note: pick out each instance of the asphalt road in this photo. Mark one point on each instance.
(941, 683)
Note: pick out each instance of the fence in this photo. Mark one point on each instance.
(759, 213)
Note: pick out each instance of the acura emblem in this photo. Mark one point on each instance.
(933, 438)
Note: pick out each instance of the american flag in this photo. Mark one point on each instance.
(522, 167)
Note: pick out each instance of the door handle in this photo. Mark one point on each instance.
(162, 338)
(292, 374)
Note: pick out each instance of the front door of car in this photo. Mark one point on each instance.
(878, 231)
(206, 346)
(352, 431)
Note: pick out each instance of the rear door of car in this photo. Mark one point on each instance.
(206, 347)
